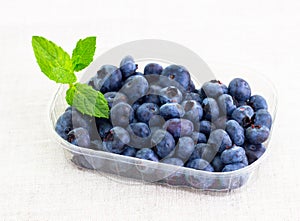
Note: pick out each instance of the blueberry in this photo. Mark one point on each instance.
(254, 151)
(173, 161)
(220, 122)
(114, 97)
(257, 134)
(121, 114)
(153, 68)
(171, 110)
(214, 88)
(200, 164)
(257, 102)
(108, 78)
(135, 87)
(129, 151)
(135, 105)
(204, 151)
(234, 154)
(206, 127)
(152, 95)
(210, 109)
(170, 94)
(104, 126)
(177, 73)
(116, 139)
(192, 96)
(146, 154)
(236, 132)
(263, 118)
(79, 137)
(193, 112)
(179, 127)
(198, 137)
(233, 167)
(226, 104)
(184, 148)
(64, 124)
(239, 89)
(191, 87)
(164, 143)
(146, 111)
(139, 135)
(220, 139)
(243, 115)
(97, 145)
(217, 164)
(127, 66)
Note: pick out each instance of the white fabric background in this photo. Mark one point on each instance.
(37, 183)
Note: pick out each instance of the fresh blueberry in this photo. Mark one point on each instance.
(139, 135)
(164, 143)
(233, 167)
(135, 105)
(170, 94)
(214, 88)
(152, 95)
(115, 97)
(127, 66)
(191, 87)
(64, 124)
(243, 115)
(177, 73)
(236, 132)
(116, 139)
(153, 68)
(184, 149)
(146, 111)
(121, 114)
(220, 139)
(171, 110)
(204, 151)
(258, 102)
(193, 112)
(146, 154)
(198, 137)
(257, 134)
(263, 118)
(135, 87)
(179, 127)
(217, 164)
(206, 127)
(104, 126)
(234, 154)
(193, 96)
(129, 151)
(200, 164)
(108, 78)
(226, 104)
(97, 145)
(239, 89)
(79, 137)
(220, 122)
(173, 161)
(254, 151)
(210, 109)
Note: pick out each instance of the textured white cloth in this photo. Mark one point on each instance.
(36, 181)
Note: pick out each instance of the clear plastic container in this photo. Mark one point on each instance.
(147, 171)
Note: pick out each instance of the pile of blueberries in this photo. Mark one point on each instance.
(159, 115)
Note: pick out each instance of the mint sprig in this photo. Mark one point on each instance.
(59, 66)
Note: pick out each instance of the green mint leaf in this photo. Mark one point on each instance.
(54, 62)
(87, 100)
(84, 52)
